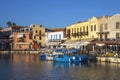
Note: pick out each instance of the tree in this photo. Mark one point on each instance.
(14, 24)
(9, 23)
(1, 27)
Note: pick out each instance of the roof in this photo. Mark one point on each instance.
(17, 27)
(57, 29)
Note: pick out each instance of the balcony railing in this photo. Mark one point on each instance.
(80, 34)
(39, 35)
(52, 40)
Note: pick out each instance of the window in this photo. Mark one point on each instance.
(117, 35)
(74, 30)
(59, 36)
(77, 29)
(83, 29)
(94, 27)
(40, 32)
(91, 27)
(40, 38)
(87, 28)
(34, 37)
(36, 31)
(56, 36)
(117, 25)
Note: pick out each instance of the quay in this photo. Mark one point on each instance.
(99, 59)
(108, 59)
(25, 51)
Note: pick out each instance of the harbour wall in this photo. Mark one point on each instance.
(108, 59)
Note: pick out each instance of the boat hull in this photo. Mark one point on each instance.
(62, 58)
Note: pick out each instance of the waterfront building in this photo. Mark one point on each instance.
(83, 31)
(114, 27)
(54, 37)
(77, 32)
(47, 32)
(103, 33)
(22, 39)
(80, 34)
(6, 40)
(38, 35)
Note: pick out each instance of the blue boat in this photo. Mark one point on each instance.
(42, 56)
(84, 58)
(62, 58)
(72, 59)
(80, 58)
(75, 59)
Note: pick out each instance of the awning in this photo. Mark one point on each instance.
(86, 40)
(106, 42)
(100, 44)
(22, 43)
(20, 35)
(52, 43)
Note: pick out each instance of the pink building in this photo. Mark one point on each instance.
(22, 40)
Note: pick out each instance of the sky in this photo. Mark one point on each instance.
(54, 13)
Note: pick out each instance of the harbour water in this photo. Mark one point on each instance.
(30, 67)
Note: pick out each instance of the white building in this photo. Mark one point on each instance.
(54, 37)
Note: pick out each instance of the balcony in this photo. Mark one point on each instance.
(21, 40)
(85, 33)
(39, 34)
(54, 40)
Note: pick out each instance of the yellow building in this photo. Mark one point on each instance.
(77, 32)
(38, 36)
(87, 30)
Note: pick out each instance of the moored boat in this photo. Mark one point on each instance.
(49, 57)
(72, 59)
(62, 58)
(42, 56)
(79, 58)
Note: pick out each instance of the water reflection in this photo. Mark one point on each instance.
(25, 58)
(62, 64)
(30, 67)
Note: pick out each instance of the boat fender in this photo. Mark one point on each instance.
(80, 58)
(69, 60)
(73, 57)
